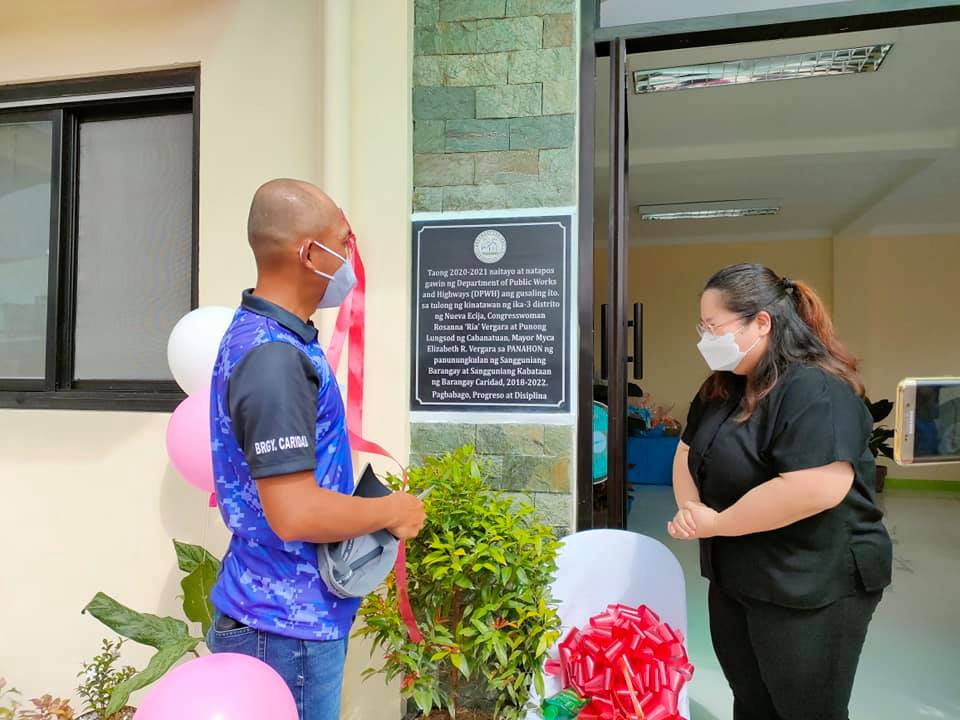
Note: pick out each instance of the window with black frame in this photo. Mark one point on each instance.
(98, 239)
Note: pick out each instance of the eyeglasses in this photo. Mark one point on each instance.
(711, 328)
(351, 244)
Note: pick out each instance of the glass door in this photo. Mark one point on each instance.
(612, 317)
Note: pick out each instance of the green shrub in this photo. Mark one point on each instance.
(479, 576)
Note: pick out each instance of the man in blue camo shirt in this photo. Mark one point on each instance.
(281, 455)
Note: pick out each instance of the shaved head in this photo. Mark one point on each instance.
(282, 214)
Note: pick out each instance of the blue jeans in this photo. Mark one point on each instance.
(312, 669)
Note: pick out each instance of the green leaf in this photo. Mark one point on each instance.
(440, 572)
(500, 648)
(196, 593)
(143, 628)
(190, 557)
(538, 682)
(158, 666)
(461, 664)
(424, 699)
(543, 645)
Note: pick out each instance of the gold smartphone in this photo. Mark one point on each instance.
(927, 427)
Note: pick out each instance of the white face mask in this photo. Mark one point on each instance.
(722, 352)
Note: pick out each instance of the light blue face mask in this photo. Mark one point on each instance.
(341, 282)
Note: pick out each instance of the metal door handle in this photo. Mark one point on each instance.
(638, 341)
(603, 342)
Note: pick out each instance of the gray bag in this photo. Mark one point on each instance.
(356, 567)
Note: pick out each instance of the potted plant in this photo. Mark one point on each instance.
(9, 701)
(169, 636)
(42, 708)
(99, 680)
(880, 437)
(104, 687)
(479, 576)
(47, 708)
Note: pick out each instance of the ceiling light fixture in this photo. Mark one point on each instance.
(816, 63)
(708, 210)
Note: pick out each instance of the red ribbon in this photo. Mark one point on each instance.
(631, 665)
(403, 597)
(351, 326)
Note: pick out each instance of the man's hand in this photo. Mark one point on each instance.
(408, 515)
(694, 521)
(299, 511)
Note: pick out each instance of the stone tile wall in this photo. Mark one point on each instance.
(494, 104)
(531, 461)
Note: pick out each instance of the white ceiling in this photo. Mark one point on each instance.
(877, 153)
(629, 12)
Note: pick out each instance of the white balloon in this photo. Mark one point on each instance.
(193, 346)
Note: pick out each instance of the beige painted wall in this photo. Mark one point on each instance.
(896, 306)
(88, 500)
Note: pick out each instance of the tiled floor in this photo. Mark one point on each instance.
(910, 667)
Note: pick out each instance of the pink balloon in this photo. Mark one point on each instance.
(219, 687)
(188, 441)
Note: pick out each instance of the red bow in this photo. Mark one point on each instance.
(630, 664)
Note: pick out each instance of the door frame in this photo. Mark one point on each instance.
(595, 43)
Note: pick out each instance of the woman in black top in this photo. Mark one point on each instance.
(776, 479)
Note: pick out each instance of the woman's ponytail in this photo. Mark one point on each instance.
(814, 313)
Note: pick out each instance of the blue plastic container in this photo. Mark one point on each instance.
(650, 459)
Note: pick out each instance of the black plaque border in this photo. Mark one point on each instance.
(565, 220)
